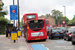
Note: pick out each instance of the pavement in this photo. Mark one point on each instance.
(8, 44)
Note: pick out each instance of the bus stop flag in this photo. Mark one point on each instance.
(13, 12)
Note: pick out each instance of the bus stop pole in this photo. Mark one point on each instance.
(13, 4)
(14, 20)
(18, 15)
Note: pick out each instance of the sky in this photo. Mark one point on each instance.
(42, 7)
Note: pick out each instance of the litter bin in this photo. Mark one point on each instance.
(19, 33)
(14, 35)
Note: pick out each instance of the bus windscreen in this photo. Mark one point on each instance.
(36, 24)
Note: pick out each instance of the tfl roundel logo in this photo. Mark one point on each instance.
(13, 11)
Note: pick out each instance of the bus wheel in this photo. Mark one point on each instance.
(44, 39)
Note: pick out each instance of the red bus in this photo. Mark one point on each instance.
(35, 29)
(30, 16)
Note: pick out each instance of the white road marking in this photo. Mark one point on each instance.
(46, 47)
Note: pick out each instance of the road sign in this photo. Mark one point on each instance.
(63, 22)
(13, 12)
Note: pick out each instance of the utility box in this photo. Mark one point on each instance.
(19, 32)
(13, 35)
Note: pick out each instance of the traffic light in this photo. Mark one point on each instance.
(63, 23)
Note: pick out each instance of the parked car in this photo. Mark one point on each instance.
(64, 29)
(73, 38)
(68, 34)
(56, 32)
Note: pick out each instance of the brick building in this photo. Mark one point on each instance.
(51, 19)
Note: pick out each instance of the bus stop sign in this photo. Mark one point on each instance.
(13, 12)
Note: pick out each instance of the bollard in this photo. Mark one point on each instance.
(14, 35)
(19, 33)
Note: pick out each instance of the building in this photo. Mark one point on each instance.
(51, 19)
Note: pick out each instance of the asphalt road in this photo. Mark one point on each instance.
(54, 44)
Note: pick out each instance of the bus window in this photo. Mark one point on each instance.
(31, 16)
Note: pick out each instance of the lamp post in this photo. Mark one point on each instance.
(64, 10)
(18, 14)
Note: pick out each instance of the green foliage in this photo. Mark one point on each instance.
(72, 22)
(21, 23)
(47, 15)
(2, 4)
(59, 16)
(0, 8)
(64, 18)
(2, 29)
(3, 22)
(2, 14)
(73, 18)
(56, 14)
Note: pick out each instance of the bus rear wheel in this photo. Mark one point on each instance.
(44, 39)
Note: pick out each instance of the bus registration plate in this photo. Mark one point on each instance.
(57, 33)
(37, 38)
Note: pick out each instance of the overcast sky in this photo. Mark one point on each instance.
(42, 7)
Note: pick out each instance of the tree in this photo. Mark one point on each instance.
(72, 22)
(1, 13)
(3, 22)
(56, 14)
(59, 16)
(21, 23)
(47, 15)
(64, 18)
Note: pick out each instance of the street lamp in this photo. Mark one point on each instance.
(64, 10)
